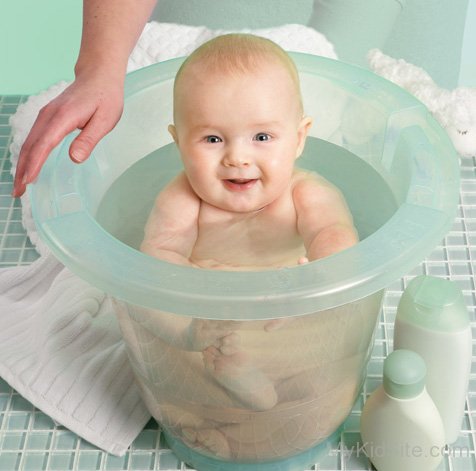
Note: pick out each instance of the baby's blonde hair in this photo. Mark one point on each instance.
(239, 53)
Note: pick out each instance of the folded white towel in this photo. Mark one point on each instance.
(60, 345)
(61, 348)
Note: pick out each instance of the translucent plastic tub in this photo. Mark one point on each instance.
(273, 400)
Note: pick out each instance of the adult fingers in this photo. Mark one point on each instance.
(85, 106)
(49, 129)
(97, 127)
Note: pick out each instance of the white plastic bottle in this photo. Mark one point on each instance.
(433, 321)
(400, 424)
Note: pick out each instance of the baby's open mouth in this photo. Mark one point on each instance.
(240, 181)
(239, 184)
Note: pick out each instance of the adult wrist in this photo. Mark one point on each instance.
(104, 68)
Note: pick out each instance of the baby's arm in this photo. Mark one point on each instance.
(172, 228)
(323, 218)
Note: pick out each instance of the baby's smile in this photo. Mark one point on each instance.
(239, 184)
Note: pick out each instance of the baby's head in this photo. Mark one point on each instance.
(238, 121)
(235, 55)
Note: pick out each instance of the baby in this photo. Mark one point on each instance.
(239, 203)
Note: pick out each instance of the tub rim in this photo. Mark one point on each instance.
(371, 265)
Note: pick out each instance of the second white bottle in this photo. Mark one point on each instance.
(432, 320)
(400, 424)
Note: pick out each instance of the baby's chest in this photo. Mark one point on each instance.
(263, 235)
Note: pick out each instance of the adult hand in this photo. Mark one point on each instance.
(93, 104)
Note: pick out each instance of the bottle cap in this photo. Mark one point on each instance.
(434, 303)
(404, 374)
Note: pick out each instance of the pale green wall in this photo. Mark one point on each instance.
(229, 14)
(356, 26)
(40, 38)
(429, 33)
(39, 43)
(467, 75)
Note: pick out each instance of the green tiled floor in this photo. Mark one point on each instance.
(15, 247)
(30, 440)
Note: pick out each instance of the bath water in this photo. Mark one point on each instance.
(125, 207)
(215, 400)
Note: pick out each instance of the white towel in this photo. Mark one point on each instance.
(61, 348)
(60, 344)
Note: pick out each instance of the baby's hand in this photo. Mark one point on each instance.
(217, 265)
(214, 265)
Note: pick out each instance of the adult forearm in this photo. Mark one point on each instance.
(93, 102)
(110, 31)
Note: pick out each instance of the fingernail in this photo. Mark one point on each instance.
(77, 156)
(17, 191)
(24, 180)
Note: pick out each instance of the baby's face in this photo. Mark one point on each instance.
(239, 135)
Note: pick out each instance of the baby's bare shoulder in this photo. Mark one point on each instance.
(307, 186)
(179, 187)
(319, 203)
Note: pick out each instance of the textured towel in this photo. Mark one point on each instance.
(60, 345)
(61, 348)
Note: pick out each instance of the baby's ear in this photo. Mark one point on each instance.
(303, 129)
(173, 132)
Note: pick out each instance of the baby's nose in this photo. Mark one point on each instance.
(236, 156)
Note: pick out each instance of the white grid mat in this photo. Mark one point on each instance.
(30, 440)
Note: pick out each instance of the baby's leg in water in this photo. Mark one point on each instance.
(316, 382)
(202, 333)
(285, 434)
(197, 432)
(208, 440)
(231, 367)
(185, 333)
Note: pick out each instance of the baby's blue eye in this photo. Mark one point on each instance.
(213, 139)
(262, 137)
